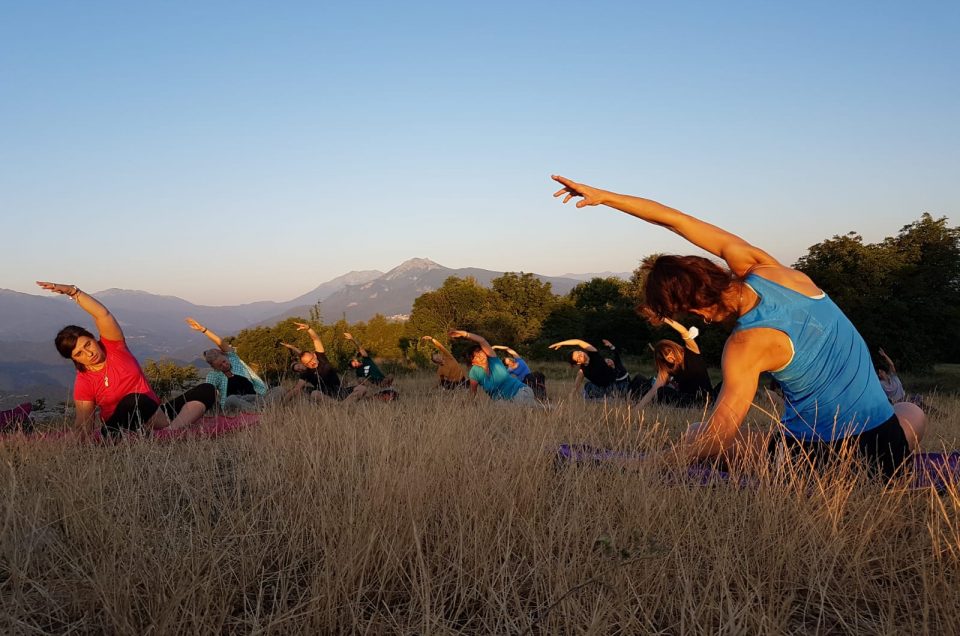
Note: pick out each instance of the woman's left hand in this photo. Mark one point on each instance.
(58, 288)
(194, 324)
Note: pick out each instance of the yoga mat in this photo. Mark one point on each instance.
(937, 470)
(206, 428)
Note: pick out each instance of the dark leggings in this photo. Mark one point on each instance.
(135, 409)
(882, 450)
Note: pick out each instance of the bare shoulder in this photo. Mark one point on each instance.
(789, 278)
(757, 349)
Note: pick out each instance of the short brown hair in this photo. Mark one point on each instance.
(677, 284)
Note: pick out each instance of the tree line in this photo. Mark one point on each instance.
(902, 293)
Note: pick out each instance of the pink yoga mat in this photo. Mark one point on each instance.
(206, 428)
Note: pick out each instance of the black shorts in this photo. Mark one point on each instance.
(883, 449)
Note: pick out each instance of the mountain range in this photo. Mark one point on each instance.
(154, 327)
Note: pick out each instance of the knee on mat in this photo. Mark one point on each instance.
(913, 420)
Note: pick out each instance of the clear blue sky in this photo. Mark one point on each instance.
(233, 151)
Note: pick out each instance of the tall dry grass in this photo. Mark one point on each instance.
(438, 515)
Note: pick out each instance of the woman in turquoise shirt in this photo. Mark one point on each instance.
(782, 324)
(487, 371)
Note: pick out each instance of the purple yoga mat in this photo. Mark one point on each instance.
(938, 470)
(13, 417)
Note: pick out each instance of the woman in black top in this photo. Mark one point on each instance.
(682, 378)
(320, 378)
(604, 380)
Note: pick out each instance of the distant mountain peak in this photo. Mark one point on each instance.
(412, 265)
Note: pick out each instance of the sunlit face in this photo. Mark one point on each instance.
(437, 358)
(219, 362)
(510, 363)
(222, 364)
(355, 363)
(479, 358)
(580, 358)
(88, 352)
(310, 360)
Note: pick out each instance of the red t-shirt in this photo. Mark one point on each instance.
(121, 375)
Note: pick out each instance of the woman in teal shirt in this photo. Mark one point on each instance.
(489, 372)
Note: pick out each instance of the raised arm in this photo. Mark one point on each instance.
(480, 340)
(510, 352)
(740, 255)
(891, 369)
(296, 350)
(436, 343)
(360, 349)
(573, 342)
(317, 343)
(107, 325)
(217, 340)
(688, 335)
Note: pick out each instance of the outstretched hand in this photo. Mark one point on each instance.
(556, 345)
(194, 324)
(347, 336)
(458, 333)
(607, 344)
(302, 326)
(570, 189)
(57, 288)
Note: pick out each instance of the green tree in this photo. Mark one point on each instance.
(168, 378)
(457, 304)
(903, 294)
(524, 297)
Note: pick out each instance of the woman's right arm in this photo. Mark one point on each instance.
(84, 422)
(436, 343)
(740, 255)
(687, 335)
(107, 325)
(217, 340)
(576, 342)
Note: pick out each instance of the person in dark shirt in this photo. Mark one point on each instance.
(682, 378)
(320, 376)
(365, 368)
(603, 380)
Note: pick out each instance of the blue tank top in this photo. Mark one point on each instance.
(830, 388)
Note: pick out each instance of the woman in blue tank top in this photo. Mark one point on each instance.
(782, 324)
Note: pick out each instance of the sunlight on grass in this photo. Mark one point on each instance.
(438, 514)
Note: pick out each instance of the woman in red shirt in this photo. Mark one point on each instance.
(109, 377)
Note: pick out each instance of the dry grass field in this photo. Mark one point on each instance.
(442, 515)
